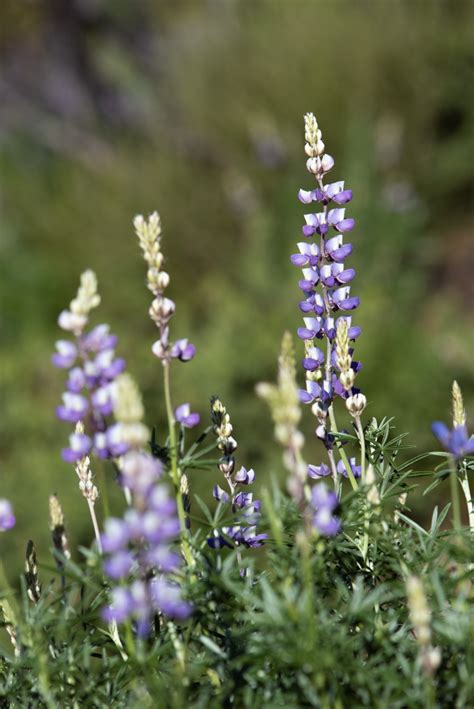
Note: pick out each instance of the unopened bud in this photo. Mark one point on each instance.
(347, 379)
(318, 411)
(321, 432)
(356, 404)
(313, 165)
(227, 465)
(320, 147)
(162, 309)
(327, 163)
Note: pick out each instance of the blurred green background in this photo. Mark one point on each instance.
(196, 109)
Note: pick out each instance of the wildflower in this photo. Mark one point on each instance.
(92, 369)
(7, 518)
(245, 510)
(162, 308)
(325, 287)
(324, 503)
(185, 417)
(137, 547)
(284, 404)
(356, 469)
(456, 441)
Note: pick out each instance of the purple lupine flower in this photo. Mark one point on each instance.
(324, 503)
(79, 446)
(183, 350)
(318, 471)
(185, 417)
(139, 545)
(325, 283)
(7, 518)
(356, 469)
(456, 441)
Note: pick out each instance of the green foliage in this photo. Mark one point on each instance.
(310, 622)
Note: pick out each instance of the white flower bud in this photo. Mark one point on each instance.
(320, 413)
(313, 165)
(347, 379)
(163, 280)
(356, 404)
(327, 163)
(320, 148)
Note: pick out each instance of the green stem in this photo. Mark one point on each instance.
(175, 472)
(453, 479)
(361, 437)
(341, 450)
(469, 501)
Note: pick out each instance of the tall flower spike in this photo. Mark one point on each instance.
(162, 308)
(284, 404)
(326, 289)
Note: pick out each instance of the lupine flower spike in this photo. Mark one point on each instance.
(330, 371)
(161, 312)
(93, 367)
(245, 510)
(162, 308)
(139, 557)
(284, 404)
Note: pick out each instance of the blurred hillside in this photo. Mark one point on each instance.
(195, 109)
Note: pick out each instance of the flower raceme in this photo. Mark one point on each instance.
(162, 308)
(325, 283)
(245, 510)
(92, 369)
(138, 547)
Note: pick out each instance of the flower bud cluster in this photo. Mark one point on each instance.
(325, 287)
(93, 367)
(138, 546)
(84, 472)
(162, 308)
(86, 299)
(245, 510)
